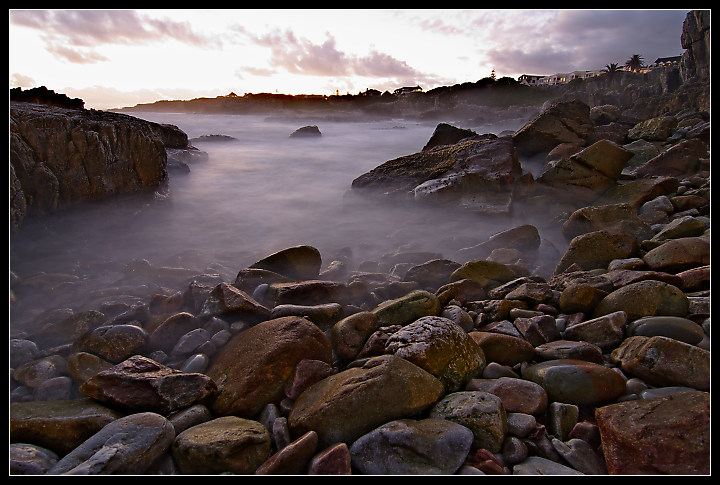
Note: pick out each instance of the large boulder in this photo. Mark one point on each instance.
(345, 406)
(667, 435)
(59, 156)
(562, 122)
(253, 368)
(478, 174)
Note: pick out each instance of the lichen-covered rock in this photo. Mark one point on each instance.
(441, 347)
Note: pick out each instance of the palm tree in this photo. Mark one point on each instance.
(634, 63)
(611, 70)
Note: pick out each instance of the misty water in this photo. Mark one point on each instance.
(257, 194)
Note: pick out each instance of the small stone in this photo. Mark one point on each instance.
(481, 412)
(291, 459)
(334, 460)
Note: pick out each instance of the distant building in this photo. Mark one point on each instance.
(557, 78)
(407, 90)
(530, 79)
(665, 61)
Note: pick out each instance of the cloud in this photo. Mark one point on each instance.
(567, 40)
(302, 56)
(75, 34)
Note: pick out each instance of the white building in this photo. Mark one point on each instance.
(557, 78)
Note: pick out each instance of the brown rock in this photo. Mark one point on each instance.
(664, 435)
(664, 361)
(141, 384)
(225, 444)
(346, 405)
(293, 458)
(517, 395)
(678, 255)
(503, 349)
(596, 249)
(59, 426)
(252, 369)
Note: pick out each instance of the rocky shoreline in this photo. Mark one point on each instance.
(497, 357)
(470, 363)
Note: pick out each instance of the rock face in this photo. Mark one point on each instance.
(695, 39)
(60, 155)
(476, 174)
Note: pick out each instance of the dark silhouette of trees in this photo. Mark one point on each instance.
(634, 63)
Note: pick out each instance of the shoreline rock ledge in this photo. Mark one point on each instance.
(61, 155)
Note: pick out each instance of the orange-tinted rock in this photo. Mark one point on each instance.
(663, 435)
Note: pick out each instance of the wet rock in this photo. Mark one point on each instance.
(167, 333)
(252, 369)
(502, 348)
(576, 381)
(433, 274)
(407, 309)
(562, 122)
(334, 460)
(487, 273)
(429, 446)
(665, 435)
(141, 384)
(525, 238)
(596, 249)
(654, 129)
(446, 134)
(566, 349)
(605, 332)
(678, 328)
(128, 445)
(113, 343)
(59, 426)
(618, 218)
(67, 330)
(348, 336)
(482, 413)
(517, 395)
(293, 459)
(589, 172)
(580, 298)
(26, 459)
(229, 302)
(664, 361)
(537, 465)
(678, 161)
(581, 456)
(35, 372)
(324, 316)
(346, 405)
(298, 262)
(645, 298)
(441, 347)
(306, 131)
(679, 255)
(225, 444)
(309, 292)
(538, 330)
(307, 372)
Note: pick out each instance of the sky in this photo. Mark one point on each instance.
(119, 58)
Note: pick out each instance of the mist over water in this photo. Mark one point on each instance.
(255, 195)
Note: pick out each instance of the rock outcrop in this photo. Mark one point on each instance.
(61, 155)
